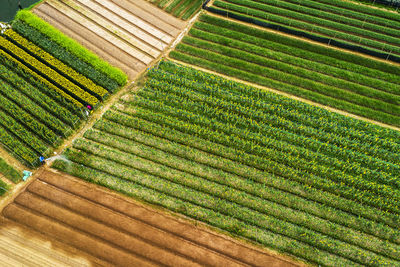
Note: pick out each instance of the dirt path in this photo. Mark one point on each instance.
(93, 220)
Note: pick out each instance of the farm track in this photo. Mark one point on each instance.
(128, 34)
(93, 221)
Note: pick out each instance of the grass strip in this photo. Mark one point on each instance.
(72, 46)
(9, 172)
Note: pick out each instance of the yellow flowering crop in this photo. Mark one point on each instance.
(57, 63)
(68, 85)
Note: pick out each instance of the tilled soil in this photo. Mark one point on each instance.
(128, 34)
(121, 232)
(21, 247)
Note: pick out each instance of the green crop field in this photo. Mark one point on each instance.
(10, 173)
(335, 19)
(183, 9)
(342, 80)
(287, 175)
(44, 89)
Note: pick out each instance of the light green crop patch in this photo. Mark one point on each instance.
(72, 46)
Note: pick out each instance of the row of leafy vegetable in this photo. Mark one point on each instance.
(308, 19)
(240, 51)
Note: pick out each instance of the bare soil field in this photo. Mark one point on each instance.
(128, 34)
(20, 246)
(117, 231)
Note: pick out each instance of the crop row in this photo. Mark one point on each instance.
(272, 73)
(238, 158)
(26, 71)
(37, 96)
(362, 8)
(230, 67)
(234, 174)
(218, 199)
(219, 184)
(17, 148)
(160, 197)
(313, 24)
(228, 158)
(57, 51)
(321, 83)
(275, 104)
(242, 51)
(352, 17)
(300, 48)
(254, 119)
(27, 119)
(330, 75)
(68, 72)
(72, 46)
(68, 86)
(289, 117)
(28, 138)
(327, 19)
(245, 128)
(285, 78)
(36, 111)
(257, 161)
(374, 193)
(183, 9)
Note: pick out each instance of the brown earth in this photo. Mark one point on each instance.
(129, 34)
(115, 230)
(20, 246)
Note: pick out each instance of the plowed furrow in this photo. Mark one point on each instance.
(100, 31)
(150, 17)
(168, 224)
(137, 228)
(90, 40)
(128, 30)
(120, 239)
(89, 244)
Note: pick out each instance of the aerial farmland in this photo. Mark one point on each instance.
(200, 133)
